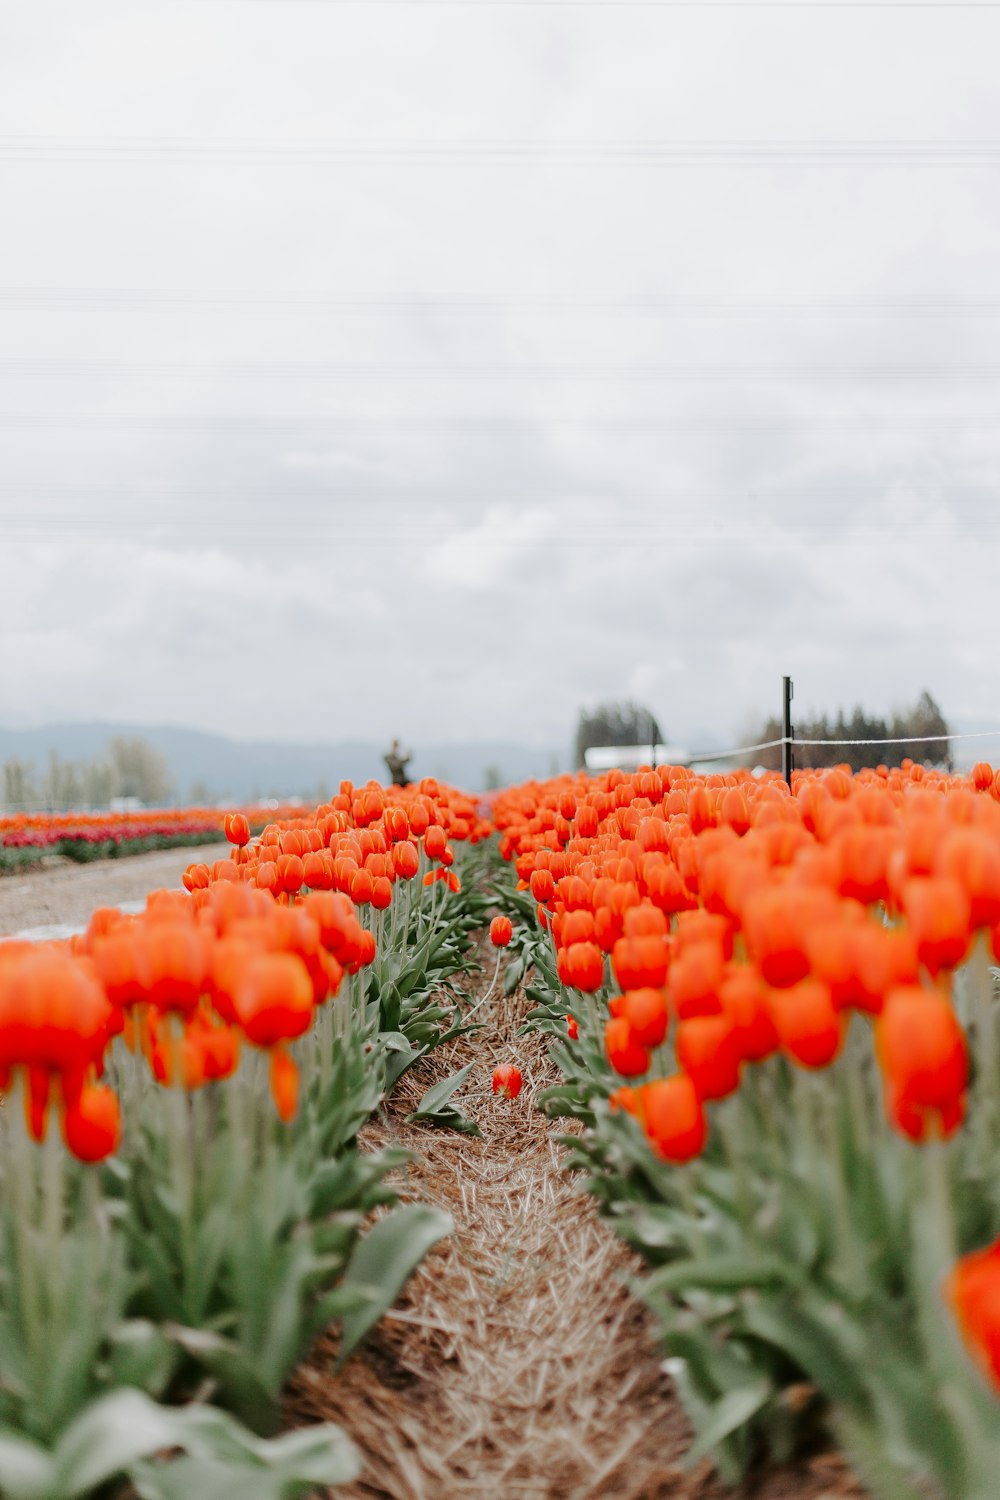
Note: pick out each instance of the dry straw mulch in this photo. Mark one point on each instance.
(518, 1364)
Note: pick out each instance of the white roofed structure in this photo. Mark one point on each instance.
(628, 757)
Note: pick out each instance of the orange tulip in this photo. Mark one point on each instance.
(435, 842)
(924, 1059)
(625, 1052)
(581, 966)
(673, 1117)
(695, 979)
(939, 914)
(237, 829)
(776, 923)
(273, 1000)
(707, 1052)
(92, 1124)
(743, 1000)
(405, 859)
(971, 856)
(501, 931)
(641, 962)
(809, 1026)
(973, 1291)
(645, 1011)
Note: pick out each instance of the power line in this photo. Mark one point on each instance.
(829, 5)
(258, 424)
(238, 491)
(685, 304)
(604, 540)
(48, 368)
(478, 153)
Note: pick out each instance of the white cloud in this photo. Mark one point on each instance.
(319, 497)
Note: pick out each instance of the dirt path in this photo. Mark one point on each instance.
(63, 894)
(519, 1365)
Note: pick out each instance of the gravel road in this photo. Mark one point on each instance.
(57, 900)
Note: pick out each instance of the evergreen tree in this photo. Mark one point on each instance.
(616, 724)
(924, 718)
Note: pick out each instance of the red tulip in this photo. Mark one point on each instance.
(501, 931)
(507, 1081)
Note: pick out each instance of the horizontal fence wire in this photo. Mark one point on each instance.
(915, 739)
(728, 754)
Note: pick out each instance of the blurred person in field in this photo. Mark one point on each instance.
(397, 759)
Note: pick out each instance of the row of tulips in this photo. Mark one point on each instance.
(184, 1204)
(776, 1010)
(26, 838)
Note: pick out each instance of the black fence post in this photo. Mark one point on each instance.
(786, 730)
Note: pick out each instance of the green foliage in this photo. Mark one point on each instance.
(795, 1267)
(65, 1285)
(112, 1436)
(436, 1108)
(243, 1228)
(412, 989)
(382, 1263)
(795, 1276)
(204, 1259)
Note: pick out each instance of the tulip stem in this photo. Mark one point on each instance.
(806, 1120)
(394, 919)
(981, 979)
(179, 1139)
(940, 1243)
(21, 1214)
(857, 1092)
(241, 1086)
(324, 1038)
(689, 1201)
(844, 1231)
(493, 984)
(52, 1223)
(733, 1131)
(198, 1122)
(934, 1252)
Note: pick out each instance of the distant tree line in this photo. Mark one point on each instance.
(615, 724)
(130, 768)
(925, 718)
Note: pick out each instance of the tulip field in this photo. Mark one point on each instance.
(26, 838)
(768, 1023)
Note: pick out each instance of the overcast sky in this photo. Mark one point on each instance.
(439, 368)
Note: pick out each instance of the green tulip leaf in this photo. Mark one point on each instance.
(384, 1260)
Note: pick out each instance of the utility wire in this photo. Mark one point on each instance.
(49, 368)
(539, 152)
(845, 5)
(685, 304)
(315, 485)
(321, 425)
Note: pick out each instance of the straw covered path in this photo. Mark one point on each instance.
(518, 1364)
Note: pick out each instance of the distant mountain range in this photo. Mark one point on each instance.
(213, 768)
